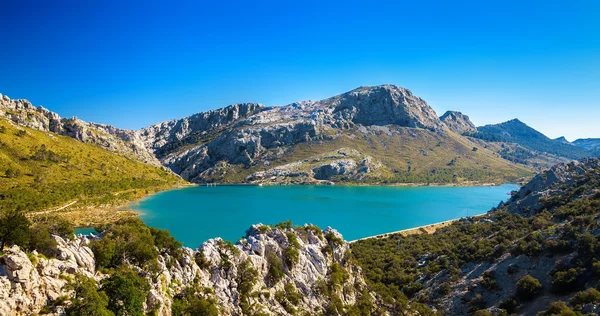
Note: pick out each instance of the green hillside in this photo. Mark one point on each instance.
(43, 171)
(502, 261)
(406, 155)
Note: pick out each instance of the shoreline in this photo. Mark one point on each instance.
(424, 229)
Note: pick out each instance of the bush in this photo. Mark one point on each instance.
(566, 281)
(127, 292)
(291, 252)
(557, 308)
(189, 303)
(14, 228)
(165, 242)
(477, 303)
(127, 239)
(528, 287)
(509, 305)
(86, 299)
(489, 281)
(275, 268)
(585, 297)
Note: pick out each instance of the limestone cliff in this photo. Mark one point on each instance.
(30, 282)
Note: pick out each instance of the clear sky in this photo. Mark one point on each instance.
(135, 64)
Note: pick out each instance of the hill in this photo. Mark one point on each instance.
(592, 144)
(536, 253)
(515, 131)
(42, 171)
(381, 134)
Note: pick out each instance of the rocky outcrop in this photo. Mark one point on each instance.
(458, 122)
(529, 200)
(30, 282)
(162, 137)
(342, 163)
(124, 142)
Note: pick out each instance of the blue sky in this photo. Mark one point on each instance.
(135, 64)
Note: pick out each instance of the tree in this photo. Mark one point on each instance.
(127, 239)
(14, 228)
(42, 230)
(127, 292)
(528, 287)
(87, 300)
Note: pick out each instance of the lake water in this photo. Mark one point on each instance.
(196, 214)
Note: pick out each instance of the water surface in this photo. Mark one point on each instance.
(196, 214)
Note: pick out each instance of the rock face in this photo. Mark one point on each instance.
(552, 182)
(26, 286)
(125, 142)
(458, 122)
(200, 147)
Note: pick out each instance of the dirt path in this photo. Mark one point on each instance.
(55, 210)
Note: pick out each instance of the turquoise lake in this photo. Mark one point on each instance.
(196, 214)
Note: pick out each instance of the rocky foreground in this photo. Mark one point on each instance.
(32, 282)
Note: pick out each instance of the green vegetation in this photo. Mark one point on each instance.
(398, 266)
(190, 303)
(291, 252)
(42, 171)
(127, 292)
(408, 156)
(528, 287)
(87, 300)
(17, 229)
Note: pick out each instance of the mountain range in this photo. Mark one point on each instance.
(380, 134)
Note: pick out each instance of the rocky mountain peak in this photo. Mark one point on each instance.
(383, 105)
(563, 140)
(458, 122)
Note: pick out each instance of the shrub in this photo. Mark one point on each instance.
(528, 287)
(86, 299)
(557, 308)
(165, 242)
(291, 252)
(14, 228)
(585, 297)
(189, 303)
(127, 239)
(275, 268)
(476, 303)
(509, 305)
(489, 281)
(127, 292)
(444, 289)
(566, 281)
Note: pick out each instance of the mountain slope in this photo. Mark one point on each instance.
(592, 144)
(42, 170)
(536, 252)
(515, 131)
(123, 142)
(458, 122)
(381, 134)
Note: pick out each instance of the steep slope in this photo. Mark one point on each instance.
(538, 251)
(42, 170)
(515, 131)
(123, 142)
(458, 122)
(370, 134)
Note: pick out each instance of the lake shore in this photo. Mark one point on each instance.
(425, 229)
